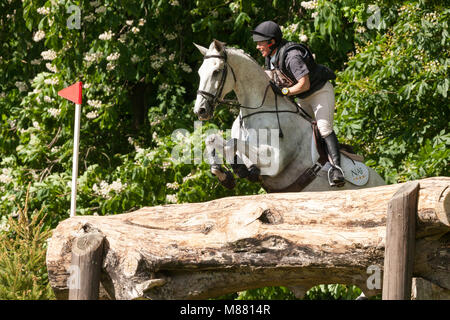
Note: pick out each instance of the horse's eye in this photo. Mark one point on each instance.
(216, 72)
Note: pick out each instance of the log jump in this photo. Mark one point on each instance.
(297, 240)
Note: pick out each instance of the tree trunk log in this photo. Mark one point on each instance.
(425, 290)
(202, 250)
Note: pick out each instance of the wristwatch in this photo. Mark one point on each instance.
(285, 91)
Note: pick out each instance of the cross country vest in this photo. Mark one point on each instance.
(318, 74)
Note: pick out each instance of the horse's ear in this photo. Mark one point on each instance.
(202, 50)
(220, 46)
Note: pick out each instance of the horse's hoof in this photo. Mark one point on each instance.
(253, 173)
(240, 170)
(229, 181)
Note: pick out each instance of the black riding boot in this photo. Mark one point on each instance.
(335, 174)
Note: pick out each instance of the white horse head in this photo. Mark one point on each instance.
(215, 79)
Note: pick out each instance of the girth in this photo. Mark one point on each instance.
(309, 174)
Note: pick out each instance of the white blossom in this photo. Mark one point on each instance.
(107, 35)
(135, 30)
(129, 22)
(185, 67)
(48, 99)
(54, 112)
(6, 177)
(94, 3)
(90, 18)
(360, 29)
(135, 58)
(22, 86)
(97, 104)
(165, 165)
(123, 37)
(163, 87)
(174, 3)
(110, 66)
(113, 56)
(309, 4)
(141, 22)
(91, 57)
(48, 55)
(43, 10)
(170, 36)
(51, 81)
(104, 189)
(39, 35)
(51, 67)
(157, 61)
(173, 186)
(55, 149)
(171, 198)
(101, 9)
(92, 115)
(303, 38)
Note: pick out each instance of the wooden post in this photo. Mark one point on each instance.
(87, 252)
(400, 243)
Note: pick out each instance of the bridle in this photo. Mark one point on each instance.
(214, 99)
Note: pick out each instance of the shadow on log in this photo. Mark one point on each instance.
(203, 250)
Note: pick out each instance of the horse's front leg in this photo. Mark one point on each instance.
(244, 169)
(261, 159)
(213, 143)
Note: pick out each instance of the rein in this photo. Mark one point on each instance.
(214, 99)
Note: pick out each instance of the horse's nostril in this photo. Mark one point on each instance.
(202, 111)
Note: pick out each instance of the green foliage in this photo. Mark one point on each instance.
(333, 292)
(269, 293)
(137, 61)
(393, 97)
(23, 243)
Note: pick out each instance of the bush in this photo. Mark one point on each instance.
(23, 244)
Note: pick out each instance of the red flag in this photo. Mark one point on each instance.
(72, 93)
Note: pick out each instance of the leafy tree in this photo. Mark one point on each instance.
(137, 63)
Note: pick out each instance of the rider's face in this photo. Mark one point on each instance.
(264, 47)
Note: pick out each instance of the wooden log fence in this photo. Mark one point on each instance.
(298, 240)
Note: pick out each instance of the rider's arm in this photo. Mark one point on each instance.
(301, 86)
(299, 70)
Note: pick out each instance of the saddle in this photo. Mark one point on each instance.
(355, 171)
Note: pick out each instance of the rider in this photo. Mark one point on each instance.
(301, 77)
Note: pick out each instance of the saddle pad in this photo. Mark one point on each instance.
(355, 172)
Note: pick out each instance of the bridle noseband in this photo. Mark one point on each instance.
(214, 99)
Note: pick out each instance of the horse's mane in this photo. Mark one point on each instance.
(242, 54)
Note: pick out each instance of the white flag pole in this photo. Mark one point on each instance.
(76, 143)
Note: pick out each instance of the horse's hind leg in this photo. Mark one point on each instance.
(226, 178)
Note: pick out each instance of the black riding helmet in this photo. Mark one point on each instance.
(267, 30)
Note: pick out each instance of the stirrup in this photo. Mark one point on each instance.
(337, 183)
